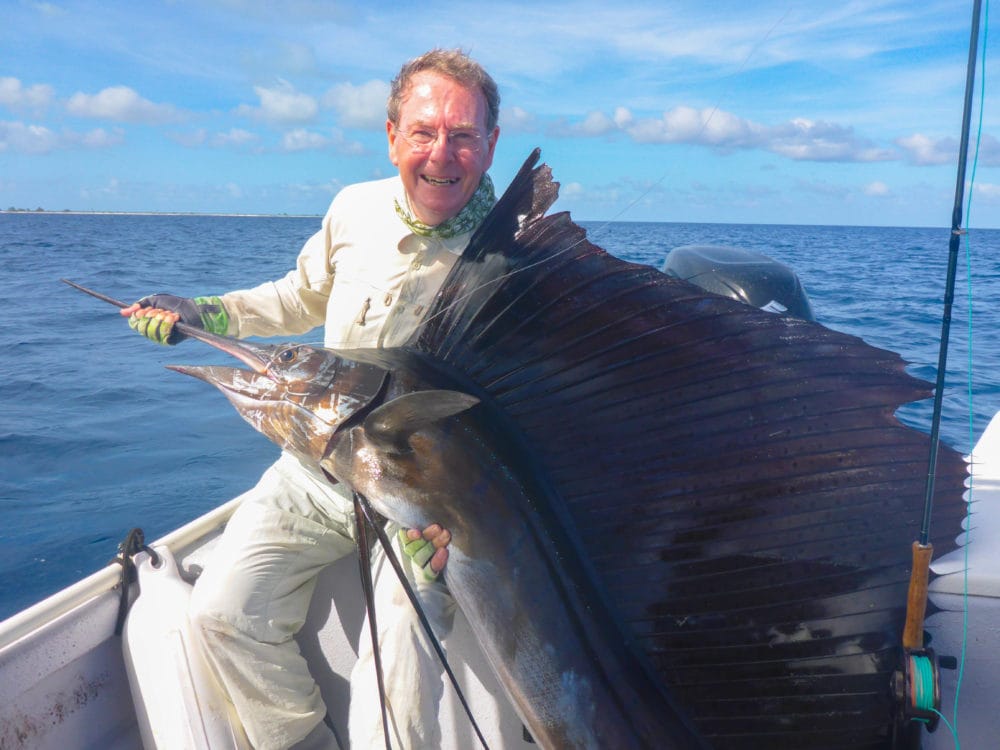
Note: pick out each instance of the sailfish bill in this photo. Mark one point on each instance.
(677, 521)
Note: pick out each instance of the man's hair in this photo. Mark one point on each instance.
(454, 64)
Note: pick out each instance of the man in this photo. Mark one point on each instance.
(381, 255)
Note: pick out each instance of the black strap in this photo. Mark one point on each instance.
(360, 502)
(364, 562)
(133, 544)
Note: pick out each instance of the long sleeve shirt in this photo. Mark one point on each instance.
(363, 265)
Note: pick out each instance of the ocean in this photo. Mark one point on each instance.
(96, 437)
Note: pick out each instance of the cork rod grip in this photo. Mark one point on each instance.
(916, 599)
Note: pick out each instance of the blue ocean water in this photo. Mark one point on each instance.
(96, 437)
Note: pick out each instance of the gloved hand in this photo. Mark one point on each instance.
(154, 316)
(428, 549)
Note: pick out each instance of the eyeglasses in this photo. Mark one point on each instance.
(422, 140)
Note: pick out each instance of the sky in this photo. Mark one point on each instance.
(775, 112)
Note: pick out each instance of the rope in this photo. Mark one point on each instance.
(133, 544)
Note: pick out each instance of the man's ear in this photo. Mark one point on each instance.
(390, 133)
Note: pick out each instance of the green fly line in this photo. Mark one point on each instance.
(969, 386)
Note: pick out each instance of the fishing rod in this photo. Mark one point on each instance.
(957, 232)
(920, 686)
(188, 330)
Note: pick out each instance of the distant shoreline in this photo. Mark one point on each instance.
(69, 212)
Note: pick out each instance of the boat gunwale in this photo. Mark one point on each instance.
(31, 620)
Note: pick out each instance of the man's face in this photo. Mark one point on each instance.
(440, 181)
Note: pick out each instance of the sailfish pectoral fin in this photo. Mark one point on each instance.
(390, 425)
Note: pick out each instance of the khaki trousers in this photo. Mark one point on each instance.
(253, 596)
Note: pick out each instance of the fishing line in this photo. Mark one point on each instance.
(922, 549)
(602, 227)
(969, 384)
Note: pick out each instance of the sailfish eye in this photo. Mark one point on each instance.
(287, 355)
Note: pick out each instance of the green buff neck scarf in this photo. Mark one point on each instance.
(465, 221)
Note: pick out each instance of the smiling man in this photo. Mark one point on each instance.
(369, 275)
(436, 118)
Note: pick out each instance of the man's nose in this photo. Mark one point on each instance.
(441, 148)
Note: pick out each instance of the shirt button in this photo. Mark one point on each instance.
(388, 299)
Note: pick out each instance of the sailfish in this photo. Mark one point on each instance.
(677, 521)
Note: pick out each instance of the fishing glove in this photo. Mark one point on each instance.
(420, 551)
(207, 313)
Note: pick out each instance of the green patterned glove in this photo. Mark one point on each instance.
(207, 313)
(420, 551)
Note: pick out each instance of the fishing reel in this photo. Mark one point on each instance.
(916, 688)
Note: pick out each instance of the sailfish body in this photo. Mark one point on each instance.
(677, 521)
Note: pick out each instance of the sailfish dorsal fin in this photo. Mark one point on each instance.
(737, 481)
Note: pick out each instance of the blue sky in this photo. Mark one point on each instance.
(764, 112)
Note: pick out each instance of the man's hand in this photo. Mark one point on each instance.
(154, 316)
(428, 548)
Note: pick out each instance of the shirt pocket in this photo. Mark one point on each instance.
(355, 312)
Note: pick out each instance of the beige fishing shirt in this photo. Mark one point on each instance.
(364, 267)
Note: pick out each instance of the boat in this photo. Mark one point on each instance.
(72, 678)
(70, 681)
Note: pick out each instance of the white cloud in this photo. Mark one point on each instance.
(989, 151)
(987, 191)
(281, 104)
(925, 151)
(234, 137)
(596, 123)
(710, 127)
(101, 138)
(517, 120)
(622, 117)
(800, 139)
(301, 139)
(718, 128)
(877, 189)
(17, 97)
(359, 106)
(23, 138)
(122, 104)
(808, 140)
